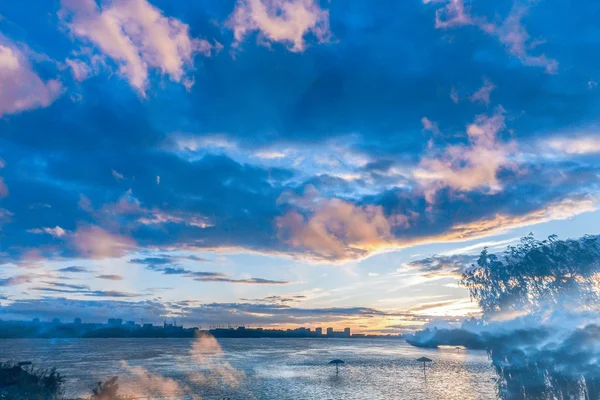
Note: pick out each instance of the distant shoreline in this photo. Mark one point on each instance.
(116, 329)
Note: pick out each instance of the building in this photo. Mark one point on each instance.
(347, 332)
(77, 321)
(319, 331)
(329, 331)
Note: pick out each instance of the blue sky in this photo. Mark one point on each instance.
(286, 162)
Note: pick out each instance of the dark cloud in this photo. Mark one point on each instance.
(441, 265)
(204, 276)
(66, 285)
(110, 277)
(84, 290)
(74, 269)
(276, 299)
(87, 292)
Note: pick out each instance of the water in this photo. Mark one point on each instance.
(261, 369)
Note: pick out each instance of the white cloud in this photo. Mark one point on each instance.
(284, 21)
(57, 231)
(117, 175)
(578, 145)
(136, 36)
(22, 89)
(466, 168)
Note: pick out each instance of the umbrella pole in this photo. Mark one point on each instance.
(337, 369)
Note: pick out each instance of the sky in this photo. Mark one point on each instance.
(286, 163)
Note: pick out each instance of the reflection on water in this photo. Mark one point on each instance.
(269, 369)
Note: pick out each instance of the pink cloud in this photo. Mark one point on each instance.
(284, 21)
(483, 94)
(3, 188)
(465, 168)
(429, 125)
(511, 32)
(514, 36)
(95, 242)
(136, 35)
(22, 88)
(452, 14)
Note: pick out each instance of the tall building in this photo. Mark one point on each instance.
(347, 332)
(319, 331)
(77, 321)
(329, 331)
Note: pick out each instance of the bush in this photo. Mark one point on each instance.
(21, 383)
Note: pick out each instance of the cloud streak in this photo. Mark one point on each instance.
(160, 264)
(510, 32)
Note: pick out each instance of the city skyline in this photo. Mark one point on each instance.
(117, 328)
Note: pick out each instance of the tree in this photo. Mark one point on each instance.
(537, 278)
(535, 275)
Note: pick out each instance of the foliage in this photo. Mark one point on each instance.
(19, 383)
(540, 278)
(536, 274)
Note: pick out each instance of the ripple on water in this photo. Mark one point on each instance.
(275, 369)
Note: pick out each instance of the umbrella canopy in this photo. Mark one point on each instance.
(424, 360)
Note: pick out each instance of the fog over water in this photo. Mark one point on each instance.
(262, 369)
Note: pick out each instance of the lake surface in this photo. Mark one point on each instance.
(261, 369)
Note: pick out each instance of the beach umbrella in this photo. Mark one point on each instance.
(337, 364)
(424, 360)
